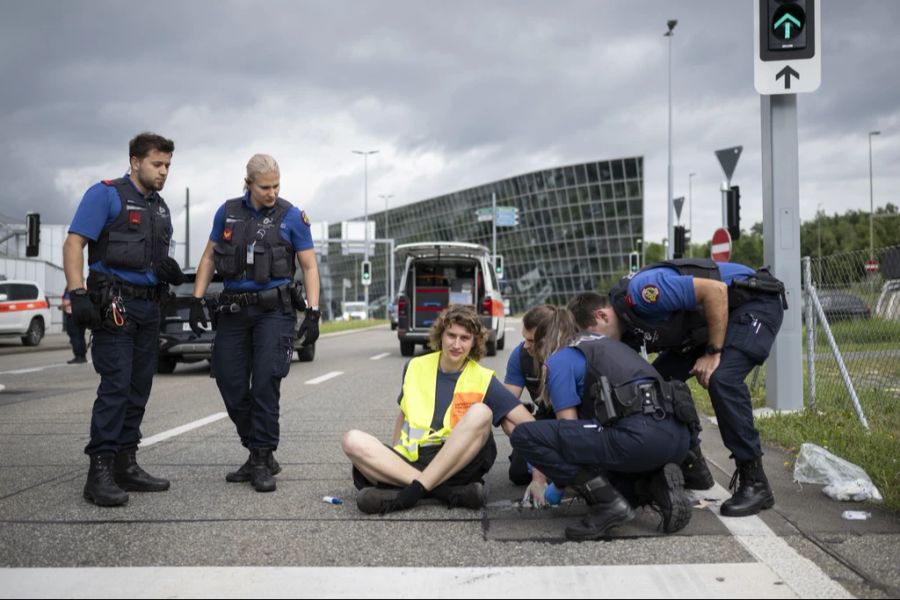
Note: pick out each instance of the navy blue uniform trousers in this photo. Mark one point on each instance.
(635, 444)
(752, 328)
(251, 355)
(125, 358)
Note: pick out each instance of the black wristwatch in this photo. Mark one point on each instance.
(711, 349)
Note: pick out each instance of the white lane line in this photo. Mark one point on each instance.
(721, 580)
(379, 356)
(324, 377)
(800, 574)
(159, 437)
(36, 369)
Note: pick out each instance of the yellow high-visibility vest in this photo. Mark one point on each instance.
(418, 402)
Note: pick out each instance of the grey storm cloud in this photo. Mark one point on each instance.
(453, 94)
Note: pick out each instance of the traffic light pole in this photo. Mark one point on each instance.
(781, 244)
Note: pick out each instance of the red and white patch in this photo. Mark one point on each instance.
(226, 234)
(650, 294)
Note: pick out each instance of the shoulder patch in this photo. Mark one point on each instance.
(305, 217)
(650, 294)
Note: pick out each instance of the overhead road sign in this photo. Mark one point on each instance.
(787, 45)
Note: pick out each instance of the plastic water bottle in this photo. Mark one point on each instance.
(332, 500)
(553, 495)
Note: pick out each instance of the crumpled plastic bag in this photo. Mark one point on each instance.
(842, 479)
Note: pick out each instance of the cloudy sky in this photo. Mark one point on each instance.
(452, 94)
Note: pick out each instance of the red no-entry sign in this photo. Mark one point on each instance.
(871, 266)
(721, 245)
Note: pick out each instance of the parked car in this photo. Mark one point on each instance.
(353, 310)
(392, 314)
(24, 311)
(840, 305)
(438, 274)
(178, 343)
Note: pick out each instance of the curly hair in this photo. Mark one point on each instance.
(466, 317)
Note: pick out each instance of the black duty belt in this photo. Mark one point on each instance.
(270, 299)
(102, 286)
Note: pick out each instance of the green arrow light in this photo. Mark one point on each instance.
(786, 20)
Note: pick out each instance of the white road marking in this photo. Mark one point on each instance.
(36, 369)
(800, 574)
(159, 437)
(379, 356)
(722, 580)
(324, 377)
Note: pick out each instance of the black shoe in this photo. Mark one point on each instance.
(696, 472)
(753, 491)
(260, 475)
(373, 500)
(470, 495)
(605, 516)
(78, 360)
(243, 472)
(666, 487)
(130, 476)
(101, 488)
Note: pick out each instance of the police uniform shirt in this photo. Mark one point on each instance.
(499, 399)
(656, 292)
(294, 229)
(565, 378)
(99, 207)
(514, 375)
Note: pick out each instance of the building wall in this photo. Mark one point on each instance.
(577, 226)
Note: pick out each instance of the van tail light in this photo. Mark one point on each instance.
(486, 305)
(401, 306)
(492, 306)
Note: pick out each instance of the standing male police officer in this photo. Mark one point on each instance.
(252, 245)
(715, 321)
(128, 230)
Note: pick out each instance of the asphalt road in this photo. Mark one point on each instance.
(206, 537)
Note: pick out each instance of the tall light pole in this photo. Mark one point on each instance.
(671, 23)
(871, 201)
(691, 211)
(819, 228)
(389, 288)
(365, 154)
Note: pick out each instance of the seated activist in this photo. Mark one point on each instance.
(523, 372)
(443, 444)
(616, 441)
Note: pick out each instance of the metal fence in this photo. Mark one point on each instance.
(852, 317)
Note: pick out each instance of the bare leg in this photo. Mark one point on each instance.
(375, 461)
(464, 443)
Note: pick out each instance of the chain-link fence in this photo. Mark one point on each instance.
(852, 338)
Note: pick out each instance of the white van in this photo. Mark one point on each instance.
(438, 274)
(24, 311)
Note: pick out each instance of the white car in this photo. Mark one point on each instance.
(24, 311)
(353, 310)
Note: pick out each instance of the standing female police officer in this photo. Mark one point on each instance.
(252, 245)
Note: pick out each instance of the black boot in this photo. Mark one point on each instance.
(696, 471)
(470, 495)
(260, 475)
(607, 506)
(753, 492)
(663, 491)
(130, 476)
(243, 472)
(101, 488)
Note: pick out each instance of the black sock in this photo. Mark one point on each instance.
(409, 496)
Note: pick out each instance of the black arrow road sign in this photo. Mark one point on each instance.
(787, 73)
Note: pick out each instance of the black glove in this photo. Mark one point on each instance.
(168, 271)
(84, 312)
(198, 315)
(309, 327)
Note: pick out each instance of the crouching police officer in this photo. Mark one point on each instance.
(620, 430)
(127, 228)
(714, 321)
(252, 245)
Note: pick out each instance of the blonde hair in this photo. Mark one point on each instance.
(553, 333)
(465, 316)
(258, 165)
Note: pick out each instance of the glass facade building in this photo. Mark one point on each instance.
(576, 227)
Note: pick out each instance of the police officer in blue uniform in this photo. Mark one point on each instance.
(619, 434)
(524, 373)
(128, 230)
(253, 243)
(714, 321)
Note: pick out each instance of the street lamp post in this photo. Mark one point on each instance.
(671, 23)
(691, 211)
(389, 288)
(871, 201)
(365, 154)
